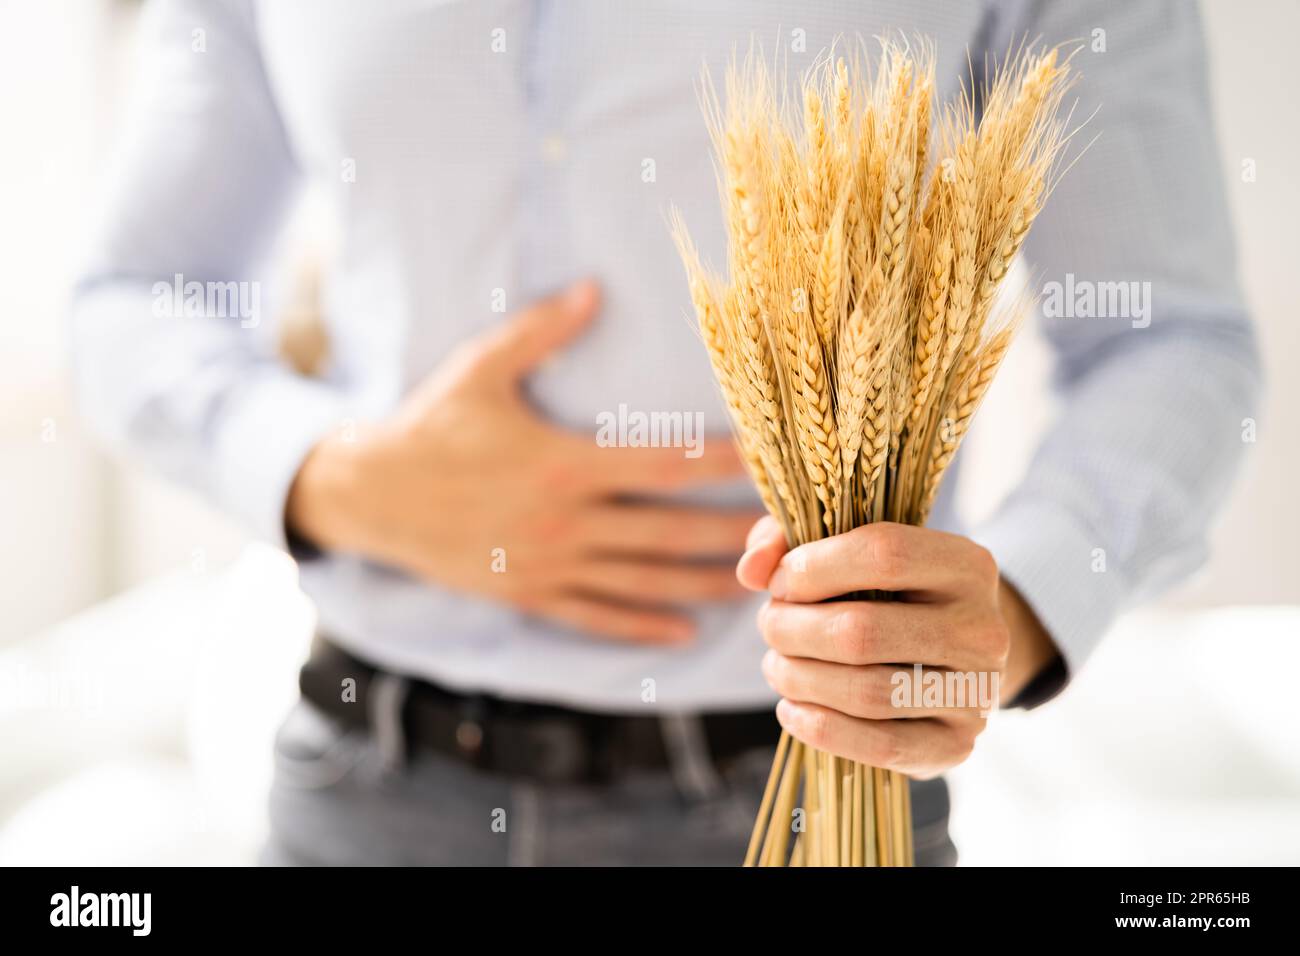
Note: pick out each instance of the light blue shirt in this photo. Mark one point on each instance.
(471, 147)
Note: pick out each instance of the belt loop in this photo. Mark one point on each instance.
(689, 761)
(386, 703)
(524, 827)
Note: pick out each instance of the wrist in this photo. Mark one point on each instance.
(1032, 649)
(321, 503)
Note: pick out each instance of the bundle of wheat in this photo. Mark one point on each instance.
(857, 331)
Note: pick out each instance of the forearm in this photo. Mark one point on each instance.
(194, 400)
(182, 379)
(1156, 366)
(1118, 500)
(1032, 648)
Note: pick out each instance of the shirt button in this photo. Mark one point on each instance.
(554, 149)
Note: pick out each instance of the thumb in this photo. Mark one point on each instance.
(529, 337)
(763, 553)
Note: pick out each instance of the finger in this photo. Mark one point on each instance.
(527, 338)
(872, 632)
(919, 748)
(878, 691)
(650, 470)
(652, 582)
(764, 548)
(764, 529)
(666, 531)
(613, 622)
(884, 556)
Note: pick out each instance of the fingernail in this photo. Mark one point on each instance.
(579, 294)
(786, 713)
(780, 583)
(758, 536)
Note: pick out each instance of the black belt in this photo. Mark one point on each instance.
(536, 741)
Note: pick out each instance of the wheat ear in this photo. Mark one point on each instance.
(957, 419)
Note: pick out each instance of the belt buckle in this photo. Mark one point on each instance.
(469, 738)
(471, 731)
(555, 750)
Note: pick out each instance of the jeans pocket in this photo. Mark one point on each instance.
(314, 751)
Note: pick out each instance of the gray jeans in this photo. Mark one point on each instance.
(343, 796)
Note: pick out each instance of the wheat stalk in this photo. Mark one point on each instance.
(957, 418)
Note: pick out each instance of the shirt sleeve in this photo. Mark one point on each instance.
(1118, 499)
(196, 192)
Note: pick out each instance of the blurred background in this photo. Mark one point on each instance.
(129, 609)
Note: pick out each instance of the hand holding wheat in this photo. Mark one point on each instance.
(845, 668)
(858, 331)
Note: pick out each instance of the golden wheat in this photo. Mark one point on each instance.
(859, 328)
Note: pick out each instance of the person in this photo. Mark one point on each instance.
(531, 646)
